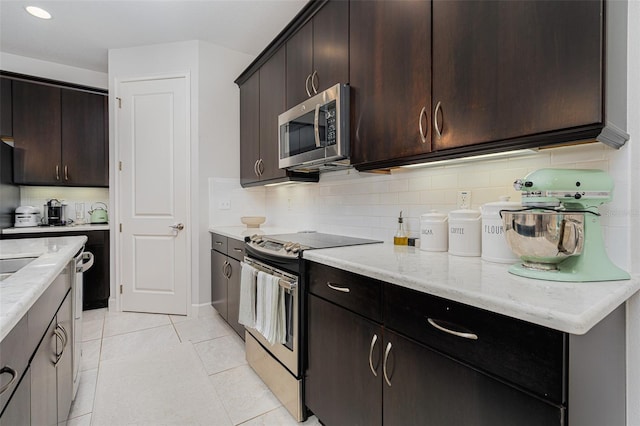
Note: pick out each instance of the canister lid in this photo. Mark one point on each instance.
(27, 210)
(464, 214)
(493, 208)
(433, 215)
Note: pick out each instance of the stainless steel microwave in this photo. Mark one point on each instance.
(315, 134)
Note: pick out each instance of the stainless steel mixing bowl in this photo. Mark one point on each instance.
(543, 239)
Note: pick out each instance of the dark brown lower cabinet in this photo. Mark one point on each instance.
(340, 387)
(226, 254)
(428, 388)
(360, 372)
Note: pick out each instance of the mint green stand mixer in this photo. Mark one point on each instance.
(557, 234)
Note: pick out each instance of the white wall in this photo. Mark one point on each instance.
(633, 305)
(214, 127)
(51, 70)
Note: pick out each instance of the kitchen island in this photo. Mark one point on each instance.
(22, 289)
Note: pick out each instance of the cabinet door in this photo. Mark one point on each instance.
(44, 410)
(250, 129)
(331, 45)
(503, 70)
(340, 386)
(272, 86)
(428, 388)
(83, 139)
(390, 75)
(18, 411)
(36, 133)
(95, 282)
(64, 366)
(299, 65)
(219, 294)
(233, 296)
(6, 119)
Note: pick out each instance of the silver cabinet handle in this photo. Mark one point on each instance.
(255, 168)
(218, 243)
(466, 335)
(14, 377)
(65, 335)
(374, 339)
(85, 266)
(239, 250)
(224, 268)
(435, 119)
(314, 79)
(59, 335)
(177, 227)
(423, 135)
(229, 270)
(384, 364)
(66, 173)
(336, 288)
(316, 127)
(260, 167)
(306, 85)
(57, 172)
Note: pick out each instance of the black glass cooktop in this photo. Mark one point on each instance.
(318, 240)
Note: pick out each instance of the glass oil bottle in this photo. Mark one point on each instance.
(400, 238)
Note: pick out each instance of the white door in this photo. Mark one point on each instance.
(153, 146)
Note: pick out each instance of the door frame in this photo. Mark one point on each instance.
(114, 195)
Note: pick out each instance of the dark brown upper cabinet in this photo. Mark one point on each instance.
(505, 70)
(6, 120)
(318, 53)
(390, 77)
(60, 136)
(261, 101)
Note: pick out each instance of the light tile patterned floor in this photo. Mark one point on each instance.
(148, 369)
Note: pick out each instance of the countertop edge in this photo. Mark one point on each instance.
(572, 324)
(9, 318)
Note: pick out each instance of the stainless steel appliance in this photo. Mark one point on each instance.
(83, 260)
(281, 366)
(55, 213)
(314, 135)
(557, 234)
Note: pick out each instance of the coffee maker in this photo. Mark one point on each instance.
(55, 213)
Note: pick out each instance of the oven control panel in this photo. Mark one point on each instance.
(286, 249)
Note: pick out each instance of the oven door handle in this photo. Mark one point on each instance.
(316, 126)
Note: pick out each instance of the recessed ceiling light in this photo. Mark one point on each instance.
(38, 12)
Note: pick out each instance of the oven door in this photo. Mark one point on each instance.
(316, 131)
(286, 353)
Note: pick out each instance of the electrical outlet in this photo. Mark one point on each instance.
(464, 199)
(224, 205)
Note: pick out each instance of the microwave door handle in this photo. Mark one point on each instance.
(316, 128)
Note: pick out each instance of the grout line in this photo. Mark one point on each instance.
(259, 415)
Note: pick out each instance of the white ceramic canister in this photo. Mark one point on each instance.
(465, 237)
(494, 243)
(434, 232)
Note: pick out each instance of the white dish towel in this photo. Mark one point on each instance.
(270, 308)
(247, 310)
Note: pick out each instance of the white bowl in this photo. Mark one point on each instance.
(253, 221)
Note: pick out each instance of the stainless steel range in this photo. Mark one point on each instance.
(281, 365)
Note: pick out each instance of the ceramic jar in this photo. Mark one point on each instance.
(465, 237)
(434, 231)
(494, 243)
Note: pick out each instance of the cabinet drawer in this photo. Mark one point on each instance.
(219, 243)
(522, 353)
(46, 307)
(14, 356)
(359, 294)
(235, 249)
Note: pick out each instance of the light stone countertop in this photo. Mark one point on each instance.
(67, 228)
(239, 232)
(569, 307)
(22, 289)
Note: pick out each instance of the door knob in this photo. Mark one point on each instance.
(177, 227)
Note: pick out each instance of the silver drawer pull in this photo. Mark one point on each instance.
(373, 344)
(336, 288)
(384, 364)
(14, 377)
(239, 250)
(219, 243)
(466, 335)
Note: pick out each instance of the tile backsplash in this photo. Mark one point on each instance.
(367, 204)
(82, 198)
